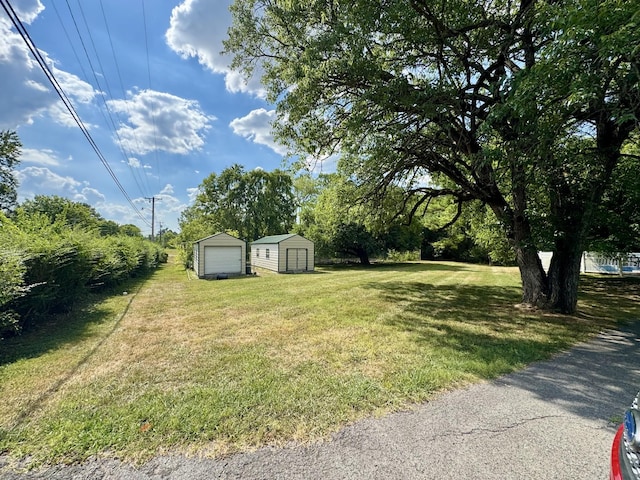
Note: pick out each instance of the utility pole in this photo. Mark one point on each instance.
(153, 216)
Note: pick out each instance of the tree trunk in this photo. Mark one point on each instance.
(535, 288)
(564, 276)
(364, 257)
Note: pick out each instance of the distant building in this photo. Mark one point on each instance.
(593, 262)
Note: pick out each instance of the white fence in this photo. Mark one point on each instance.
(593, 262)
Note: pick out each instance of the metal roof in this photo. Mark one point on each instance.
(217, 234)
(274, 238)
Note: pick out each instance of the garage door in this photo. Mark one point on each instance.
(296, 259)
(222, 260)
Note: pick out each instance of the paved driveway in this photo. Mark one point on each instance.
(550, 421)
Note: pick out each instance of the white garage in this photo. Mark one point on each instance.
(219, 254)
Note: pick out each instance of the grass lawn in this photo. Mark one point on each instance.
(214, 367)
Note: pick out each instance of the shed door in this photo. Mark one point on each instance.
(296, 259)
(222, 260)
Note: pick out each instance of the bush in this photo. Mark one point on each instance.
(399, 257)
(47, 267)
(11, 288)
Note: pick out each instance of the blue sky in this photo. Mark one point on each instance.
(162, 106)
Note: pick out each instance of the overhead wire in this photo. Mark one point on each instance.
(153, 116)
(24, 34)
(86, 77)
(110, 120)
(124, 94)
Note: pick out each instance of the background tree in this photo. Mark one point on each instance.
(523, 106)
(68, 212)
(343, 226)
(130, 230)
(10, 150)
(617, 221)
(168, 237)
(249, 205)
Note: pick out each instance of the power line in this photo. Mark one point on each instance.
(153, 116)
(153, 215)
(110, 121)
(124, 95)
(22, 31)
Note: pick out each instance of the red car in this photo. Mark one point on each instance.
(625, 451)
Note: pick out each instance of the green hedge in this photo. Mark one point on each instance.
(46, 267)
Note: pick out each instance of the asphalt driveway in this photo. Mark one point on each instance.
(553, 420)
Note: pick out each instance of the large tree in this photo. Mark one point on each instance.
(522, 105)
(251, 204)
(10, 149)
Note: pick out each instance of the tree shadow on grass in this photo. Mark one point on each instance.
(595, 379)
(481, 323)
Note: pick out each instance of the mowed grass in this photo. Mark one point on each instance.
(213, 367)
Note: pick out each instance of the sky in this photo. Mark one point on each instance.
(154, 93)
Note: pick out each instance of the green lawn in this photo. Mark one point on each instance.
(212, 367)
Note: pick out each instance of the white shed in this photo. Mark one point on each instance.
(219, 254)
(283, 253)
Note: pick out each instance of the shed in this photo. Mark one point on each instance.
(283, 253)
(219, 254)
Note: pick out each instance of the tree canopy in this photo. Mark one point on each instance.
(523, 106)
(342, 226)
(250, 204)
(60, 209)
(10, 150)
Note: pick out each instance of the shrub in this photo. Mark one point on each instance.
(46, 267)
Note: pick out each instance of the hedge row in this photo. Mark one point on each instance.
(45, 268)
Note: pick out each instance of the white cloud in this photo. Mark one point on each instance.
(123, 214)
(256, 126)
(197, 29)
(41, 180)
(26, 92)
(89, 195)
(159, 121)
(192, 193)
(167, 190)
(43, 157)
(28, 10)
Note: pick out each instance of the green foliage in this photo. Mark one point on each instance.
(10, 149)
(617, 225)
(130, 230)
(395, 256)
(249, 205)
(341, 226)
(63, 210)
(12, 286)
(354, 240)
(522, 106)
(48, 264)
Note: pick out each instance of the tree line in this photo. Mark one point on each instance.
(329, 210)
